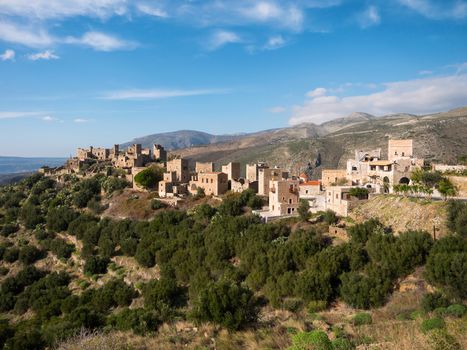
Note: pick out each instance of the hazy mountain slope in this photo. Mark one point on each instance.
(180, 139)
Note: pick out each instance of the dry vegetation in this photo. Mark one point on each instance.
(403, 214)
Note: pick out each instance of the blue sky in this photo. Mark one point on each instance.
(81, 72)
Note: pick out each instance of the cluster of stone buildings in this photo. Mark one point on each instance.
(368, 169)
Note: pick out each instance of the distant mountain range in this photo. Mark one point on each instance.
(439, 137)
(181, 139)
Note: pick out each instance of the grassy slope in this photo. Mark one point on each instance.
(404, 213)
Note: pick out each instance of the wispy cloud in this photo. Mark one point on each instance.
(58, 9)
(425, 72)
(221, 38)
(369, 17)
(45, 55)
(418, 96)
(286, 15)
(25, 35)
(275, 42)
(453, 9)
(81, 120)
(155, 94)
(49, 119)
(101, 42)
(8, 55)
(19, 114)
(152, 11)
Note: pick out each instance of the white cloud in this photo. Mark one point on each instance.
(221, 38)
(438, 9)
(155, 94)
(425, 72)
(152, 11)
(37, 37)
(369, 17)
(318, 92)
(58, 9)
(45, 55)
(8, 55)
(277, 109)
(81, 120)
(289, 16)
(49, 118)
(25, 35)
(14, 115)
(101, 42)
(419, 96)
(275, 42)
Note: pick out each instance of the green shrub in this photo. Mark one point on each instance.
(316, 306)
(440, 311)
(230, 305)
(439, 339)
(140, 321)
(304, 210)
(432, 301)
(9, 229)
(11, 254)
(417, 314)
(330, 217)
(359, 192)
(316, 340)
(29, 254)
(292, 304)
(361, 319)
(404, 315)
(432, 323)
(95, 265)
(456, 310)
(149, 178)
(157, 204)
(342, 344)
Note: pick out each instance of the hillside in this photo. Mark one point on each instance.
(402, 214)
(91, 254)
(180, 139)
(438, 137)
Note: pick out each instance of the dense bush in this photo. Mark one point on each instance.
(361, 319)
(149, 177)
(457, 217)
(227, 304)
(304, 210)
(96, 265)
(315, 339)
(9, 229)
(31, 216)
(11, 254)
(432, 301)
(160, 293)
(157, 204)
(59, 218)
(447, 263)
(29, 254)
(112, 184)
(432, 323)
(456, 310)
(85, 191)
(439, 339)
(140, 321)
